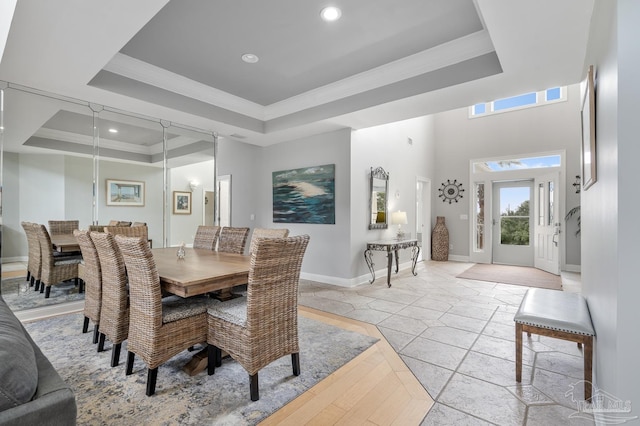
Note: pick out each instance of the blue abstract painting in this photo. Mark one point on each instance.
(305, 195)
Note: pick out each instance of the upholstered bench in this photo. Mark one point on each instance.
(556, 314)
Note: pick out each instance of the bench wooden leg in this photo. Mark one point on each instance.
(518, 352)
(588, 355)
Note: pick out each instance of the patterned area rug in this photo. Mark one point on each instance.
(518, 275)
(106, 396)
(19, 296)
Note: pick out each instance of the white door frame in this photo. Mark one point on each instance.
(487, 179)
(425, 229)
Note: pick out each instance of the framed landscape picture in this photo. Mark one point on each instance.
(181, 202)
(305, 195)
(125, 193)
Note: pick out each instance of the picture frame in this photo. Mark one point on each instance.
(181, 202)
(588, 151)
(125, 193)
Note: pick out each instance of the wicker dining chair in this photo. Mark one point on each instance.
(232, 240)
(206, 237)
(114, 312)
(92, 276)
(266, 233)
(34, 263)
(59, 227)
(129, 231)
(159, 328)
(54, 269)
(262, 327)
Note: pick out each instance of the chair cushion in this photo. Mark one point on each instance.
(18, 368)
(67, 260)
(175, 308)
(233, 311)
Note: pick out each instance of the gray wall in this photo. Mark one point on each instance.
(551, 127)
(388, 146)
(609, 208)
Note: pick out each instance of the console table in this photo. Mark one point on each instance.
(391, 247)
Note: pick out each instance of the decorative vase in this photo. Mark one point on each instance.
(440, 240)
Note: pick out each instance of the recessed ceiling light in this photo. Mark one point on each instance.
(331, 13)
(113, 130)
(250, 58)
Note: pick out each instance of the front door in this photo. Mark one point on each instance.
(512, 223)
(547, 223)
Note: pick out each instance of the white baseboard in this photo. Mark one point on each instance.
(352, 282)
(457, 258)
(572, 268)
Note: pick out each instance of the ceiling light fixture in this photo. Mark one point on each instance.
(113, 130)
(331, 13)
(250, 58)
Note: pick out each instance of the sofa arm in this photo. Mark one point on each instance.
(53, 404)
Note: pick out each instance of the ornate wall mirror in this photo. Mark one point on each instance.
(379, 191)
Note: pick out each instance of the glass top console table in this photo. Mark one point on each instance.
(391, 247)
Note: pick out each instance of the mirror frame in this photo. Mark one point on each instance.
(379, 173)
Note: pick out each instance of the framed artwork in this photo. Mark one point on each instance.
(181, 202)
(125, 193)
(305, 195)
(589, 171)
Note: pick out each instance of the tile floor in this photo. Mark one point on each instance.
(457, 336)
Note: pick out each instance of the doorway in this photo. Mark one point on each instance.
(423, 217)
(512, 223)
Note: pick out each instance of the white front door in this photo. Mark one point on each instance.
(423, 217)
(547, 223)
(512, 223)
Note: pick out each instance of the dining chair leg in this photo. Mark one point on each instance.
(218, 356)
(130, 358)
(253, 387)
(85, 325)
(211, 359)
(295, 362)
(47, 293)
(115, 354)
(41, 287)
(37, 285)
(96, 333)
(101, 342)
(152, 375)
(29, 276)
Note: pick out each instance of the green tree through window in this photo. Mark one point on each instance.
(514, 226)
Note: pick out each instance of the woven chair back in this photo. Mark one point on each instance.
(206, 237)
(144, 287)
(59, 227)
(233, 240)
(272, 292)
(266, 233)
(114, 314)
(34, 264)
(128, 231)
(92, 276)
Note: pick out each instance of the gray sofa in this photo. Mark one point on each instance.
(31, 391)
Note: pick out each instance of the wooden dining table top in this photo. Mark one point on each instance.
(200, 271)
(64, 242)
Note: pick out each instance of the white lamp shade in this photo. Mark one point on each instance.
(399, 218)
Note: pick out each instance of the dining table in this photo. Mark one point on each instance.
(196, 272)
(65, 243)
(200, 271)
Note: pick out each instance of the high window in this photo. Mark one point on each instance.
(525, 100)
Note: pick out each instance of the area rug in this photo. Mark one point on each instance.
(20, 296)
(518, 275)
(106, 396)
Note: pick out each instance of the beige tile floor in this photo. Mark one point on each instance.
(457, 337)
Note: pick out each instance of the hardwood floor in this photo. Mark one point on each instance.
(375, 388)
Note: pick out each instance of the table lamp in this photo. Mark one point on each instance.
(399, 218)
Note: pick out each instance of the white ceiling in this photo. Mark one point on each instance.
(383, 61)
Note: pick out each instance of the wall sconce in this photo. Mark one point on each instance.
(399, 218)
(193, 185)
(576, 184)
